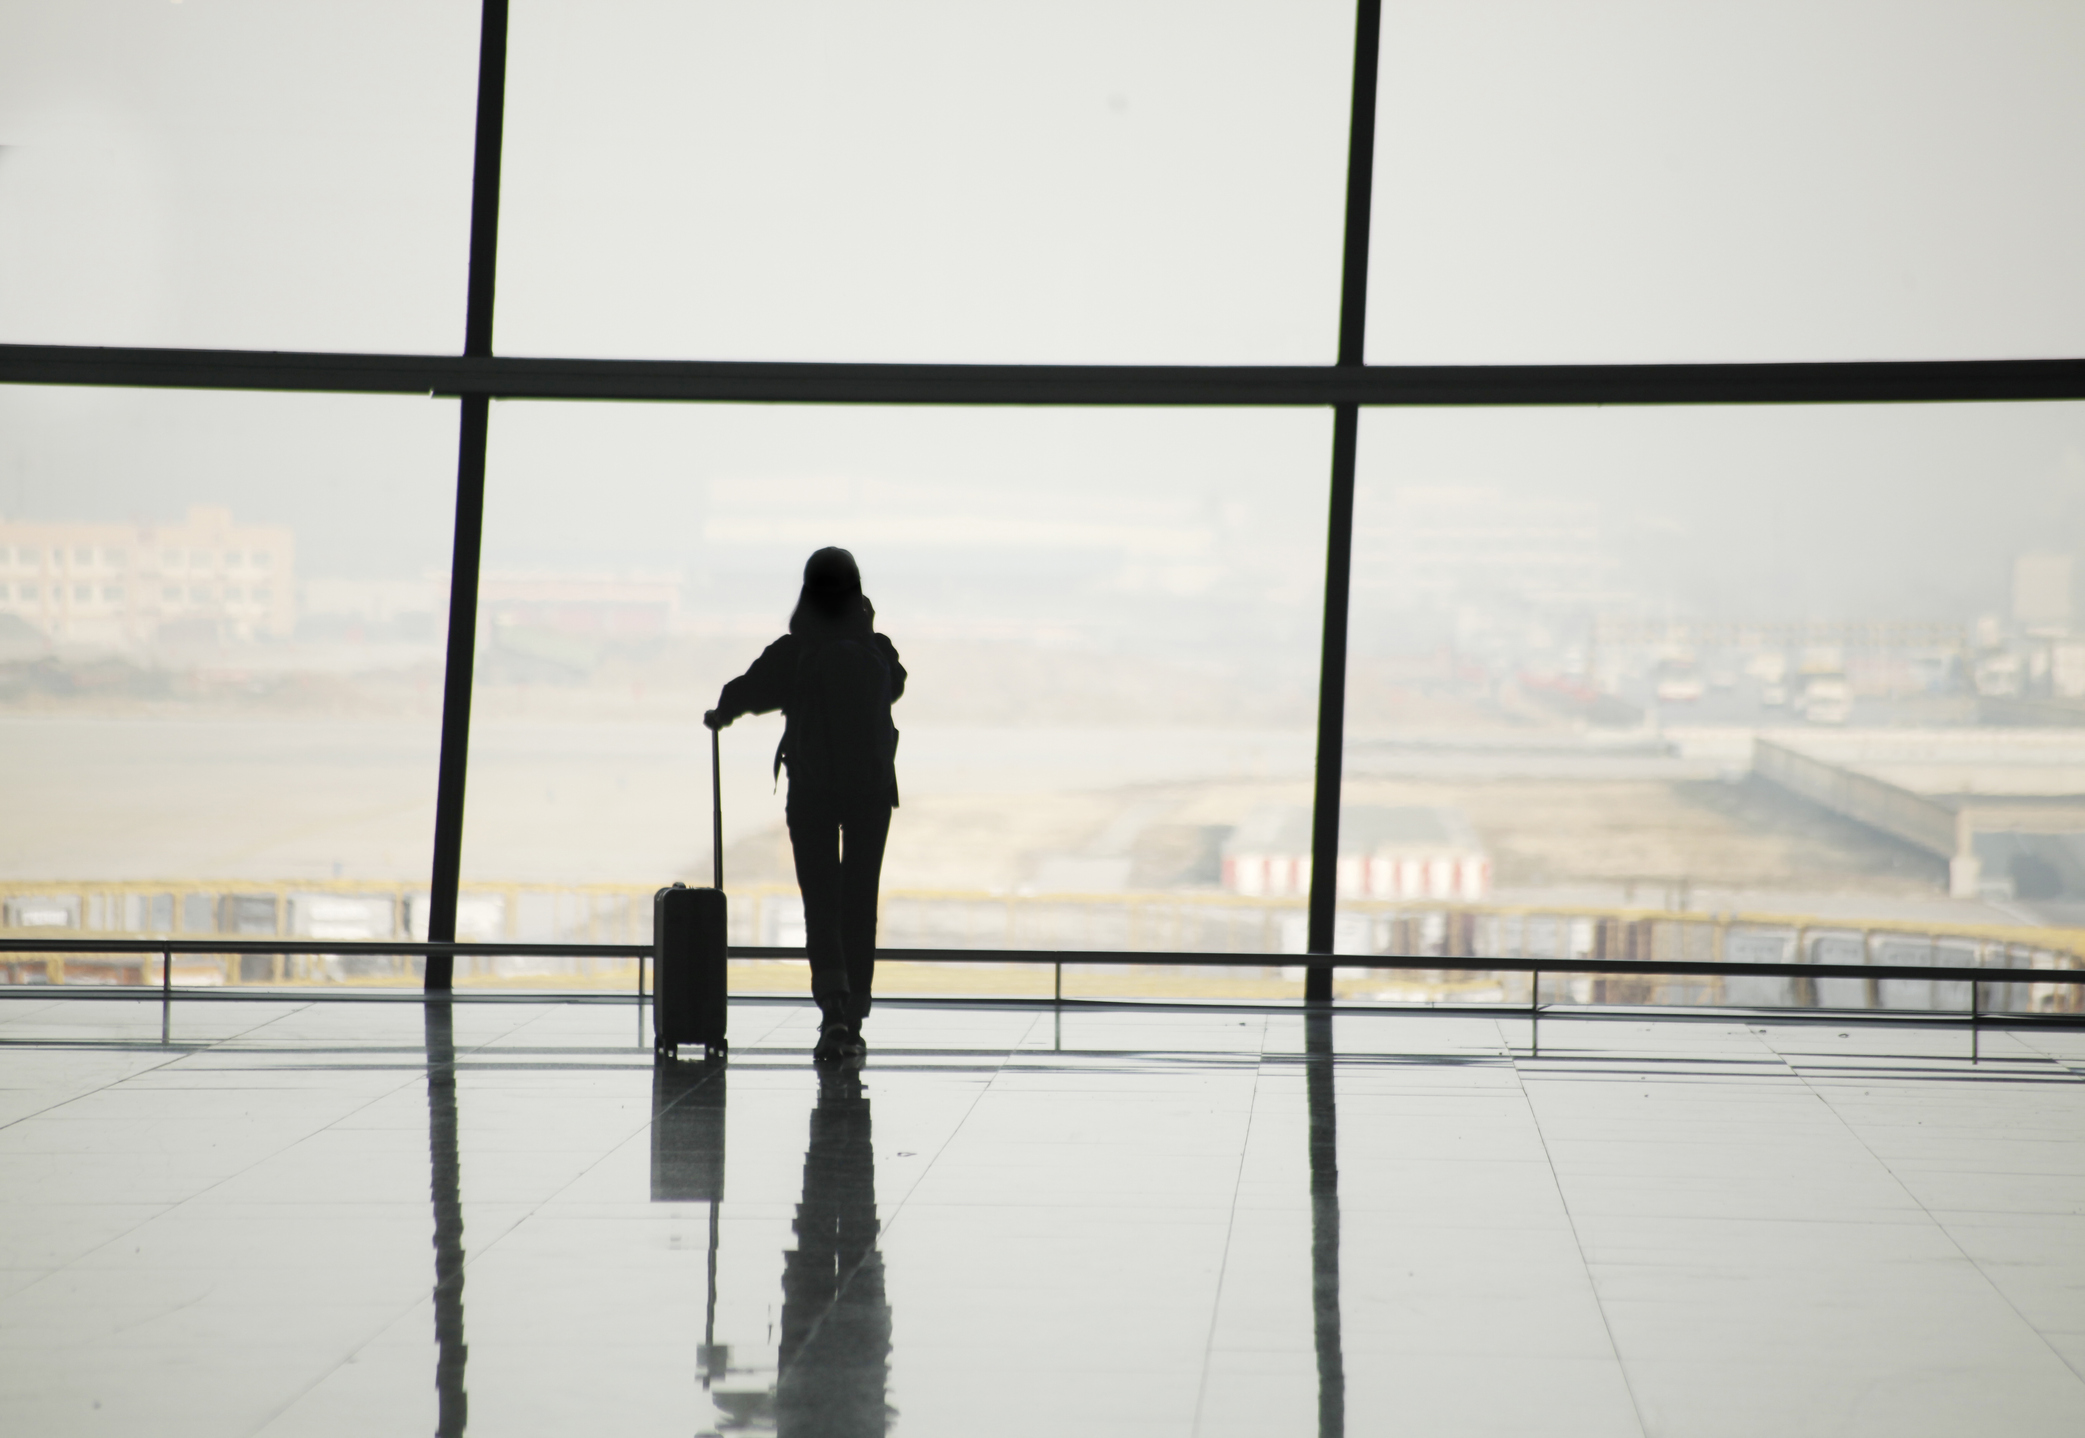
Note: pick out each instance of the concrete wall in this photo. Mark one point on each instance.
(1948, 830)
(1894, 810)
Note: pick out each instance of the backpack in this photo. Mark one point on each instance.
(840, 737)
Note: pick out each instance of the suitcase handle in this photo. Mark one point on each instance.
(716, 800)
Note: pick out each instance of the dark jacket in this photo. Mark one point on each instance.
(770, 684)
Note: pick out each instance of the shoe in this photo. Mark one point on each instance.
(832, 1046)
(856, 1047)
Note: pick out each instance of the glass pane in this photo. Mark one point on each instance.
(1612, 181)
(926, 181)
(1110, 620)
(220, 673)
(243, 175)
(1779, 684)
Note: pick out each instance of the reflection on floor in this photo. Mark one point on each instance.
(1017, 1221)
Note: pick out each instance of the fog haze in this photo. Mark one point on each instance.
(1084, 182)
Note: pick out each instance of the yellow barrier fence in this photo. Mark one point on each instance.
(1173, 922)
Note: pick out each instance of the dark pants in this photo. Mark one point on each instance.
(839, 863)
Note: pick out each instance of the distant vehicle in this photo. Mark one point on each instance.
(1998, 674)
(1932, 672)
(1768, 666)
(1679, 682)
(1825, 661)
(1827, 699)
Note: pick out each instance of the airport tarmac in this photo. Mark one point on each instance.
(136, 797)
(567, 801)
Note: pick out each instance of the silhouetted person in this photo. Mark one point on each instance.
(833, 1367)
(835, 679)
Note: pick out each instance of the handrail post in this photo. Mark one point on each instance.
(166, 994)
(1974, 996)
(1535, 1012)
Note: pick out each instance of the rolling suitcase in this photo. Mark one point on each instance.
(688, 952)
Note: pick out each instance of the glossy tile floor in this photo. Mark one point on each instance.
(366, 1218)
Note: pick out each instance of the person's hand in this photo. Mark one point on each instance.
(711, 720)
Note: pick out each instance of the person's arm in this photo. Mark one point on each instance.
(762, 689)
(897, 670)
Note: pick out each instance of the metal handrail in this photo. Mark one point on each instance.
(1723, 968)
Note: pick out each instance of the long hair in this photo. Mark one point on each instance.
(831, 601)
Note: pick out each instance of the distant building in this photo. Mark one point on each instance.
(2067, 669)
(376, 601)
(124, 584)
(1384, 853)
(1443, 545)
(598, 605)
(2043, 592)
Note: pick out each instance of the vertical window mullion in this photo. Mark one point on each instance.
(460, 664)
(1339, 530)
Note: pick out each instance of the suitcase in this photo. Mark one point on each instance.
(688, 953)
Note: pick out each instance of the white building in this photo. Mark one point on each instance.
(1384, 853)
(123, 584)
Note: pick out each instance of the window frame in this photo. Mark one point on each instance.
(478, 375)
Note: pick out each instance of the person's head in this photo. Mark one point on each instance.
(832, 592)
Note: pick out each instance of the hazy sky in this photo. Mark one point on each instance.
(1590, 179)
(1777, 512)
(1196, 533)
(1607, 180)
(1557, 179)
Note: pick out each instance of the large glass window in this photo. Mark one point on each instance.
(236, 174)
(926, 181)
(1837, 651)
(1611, 181)
(1110, 620)
(220, 672)
(1708, 683)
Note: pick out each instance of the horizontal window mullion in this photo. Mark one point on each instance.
(506, 377)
